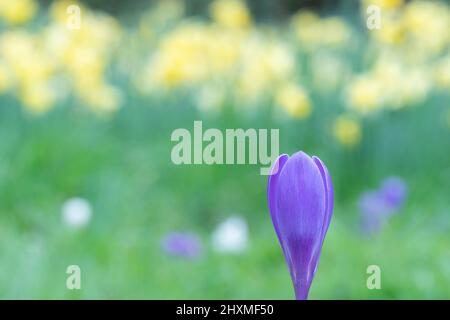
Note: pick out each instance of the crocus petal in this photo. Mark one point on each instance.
(329, 194)
(300, 213)
(329, 199)
(272, 190)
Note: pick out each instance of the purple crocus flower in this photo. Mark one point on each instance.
(186, 245)
(300, 199)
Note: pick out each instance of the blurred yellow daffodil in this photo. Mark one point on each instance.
(442, 73)
(364, 94)
(383, 4)
(231, 13)
(314, 32)
(17, 11)
(347, 130)
(294, 100)
(38, 98)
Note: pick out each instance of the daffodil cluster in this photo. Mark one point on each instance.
(56, 61)
(407, 59)
(227, 59)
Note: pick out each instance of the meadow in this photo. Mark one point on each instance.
(88, 113)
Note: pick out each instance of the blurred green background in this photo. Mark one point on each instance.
(87, 112)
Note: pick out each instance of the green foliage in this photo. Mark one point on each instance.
(122, 166)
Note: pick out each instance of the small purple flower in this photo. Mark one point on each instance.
(394, 192)
(374, 211)
(300, 199)
(186, 245)
(376, 206)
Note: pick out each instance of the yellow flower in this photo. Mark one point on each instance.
(251, 84)
(305, 24)
(313, 31)
(264, 64)
(231, 13)
(364, 95)
(279, 61)
(58, 10)
(392, 30)
(103, 99)
(400, 84)
(294, 100)
(442, 73)
(415, 86)
(26, 59)
(428, 23)
(17, 11)
(182, 56)
(329, 71)
(38, 98)
(190, 54)
(383, 4)
(223, 50)
(335, 32)
(347, 130)
(15, 46)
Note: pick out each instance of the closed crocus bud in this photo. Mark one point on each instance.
(300, 199)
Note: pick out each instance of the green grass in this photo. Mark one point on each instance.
(122, 166)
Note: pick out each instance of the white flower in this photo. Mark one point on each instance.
(231, 236)
(76, 212)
